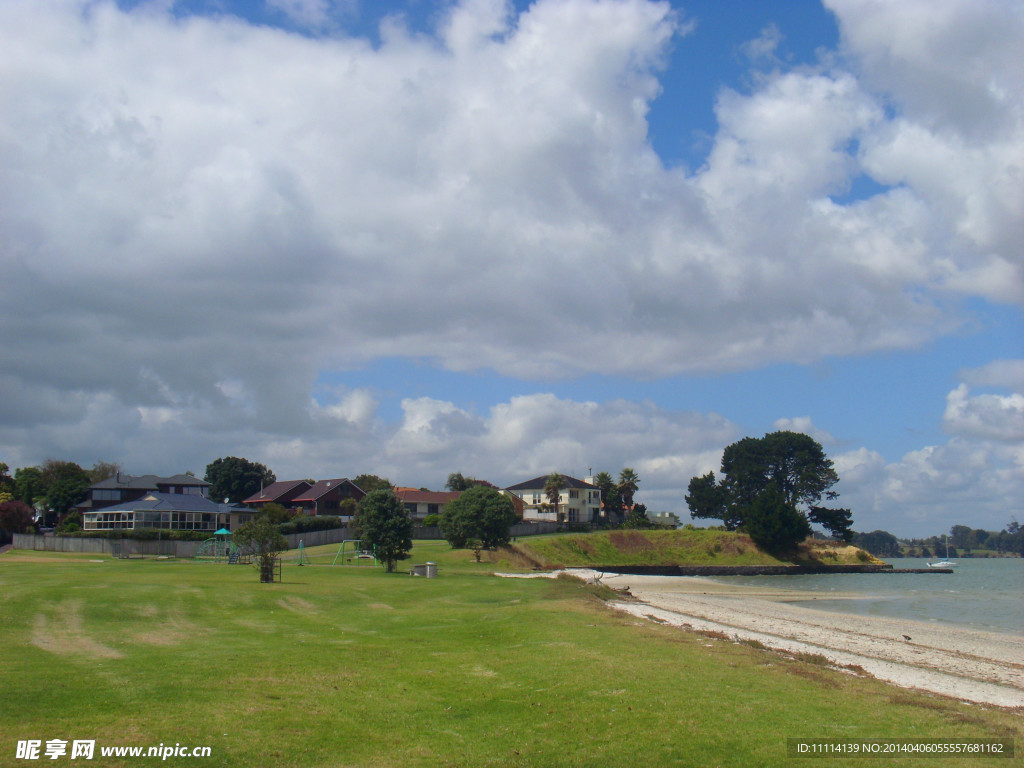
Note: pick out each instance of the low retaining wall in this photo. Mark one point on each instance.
(740, 570)
(98, 546)
(91, 546)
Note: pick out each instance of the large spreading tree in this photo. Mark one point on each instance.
(236, 479)
(771, 486)
(65, 484)
(481, 513)
(384, 525)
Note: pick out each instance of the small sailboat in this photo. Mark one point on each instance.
(947, 563)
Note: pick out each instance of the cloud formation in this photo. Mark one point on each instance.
(978, 474)
(203, 215)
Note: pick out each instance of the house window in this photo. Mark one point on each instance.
(192, 521)
(410, 507)
(573, 516)
(536, 498)
(106, 494)
(108, 521)
(433, 509)
(149, 519)
(574, 494)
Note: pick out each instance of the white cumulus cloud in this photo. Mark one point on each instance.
(202, 215)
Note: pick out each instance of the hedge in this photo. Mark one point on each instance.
(306, 523)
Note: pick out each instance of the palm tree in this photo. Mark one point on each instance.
(553, 490)
(629, 482)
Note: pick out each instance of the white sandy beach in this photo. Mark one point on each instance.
(977, 666)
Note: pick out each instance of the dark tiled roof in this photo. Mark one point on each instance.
(274, 491)
(176, 502)
(416, 496)
(540, 482)
(322, 487)
(146, 482)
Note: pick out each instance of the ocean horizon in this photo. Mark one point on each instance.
(981, 593)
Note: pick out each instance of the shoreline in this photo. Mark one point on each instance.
(959, 662)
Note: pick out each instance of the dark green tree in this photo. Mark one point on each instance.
(707, 500)
(236, 479)
(1011, 538)
(629, 484)
(64, 485)
(276, 513)
(70, 523)
(456, 482)
(878, 543)
(774, 523)
(384, 525)
(637, 518)
(263, 539)
(837, 522)
(481, 513)
(28, 484)
(961, 537)
(791, 465)
(791, 461)
(459, 482)
(6, 481)
(370, 483)
(611, 499)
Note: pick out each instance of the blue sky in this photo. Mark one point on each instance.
(413, 238)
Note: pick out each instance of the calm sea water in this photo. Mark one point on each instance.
(982, 593)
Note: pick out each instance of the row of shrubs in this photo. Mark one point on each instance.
(298, 525)
(141, 534)
(307, 523)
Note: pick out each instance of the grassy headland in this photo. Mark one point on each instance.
(678, 547)
(347, 666)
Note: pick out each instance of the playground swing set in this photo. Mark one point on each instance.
(350, 553)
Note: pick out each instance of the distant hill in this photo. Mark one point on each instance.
(678, 547)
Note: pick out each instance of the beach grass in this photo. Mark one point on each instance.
(698, 546)
(350, 666)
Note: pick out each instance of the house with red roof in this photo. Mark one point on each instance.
(283, 492)
(419, 503)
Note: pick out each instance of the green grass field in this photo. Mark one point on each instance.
(346, 666)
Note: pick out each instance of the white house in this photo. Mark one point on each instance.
(578, 501)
